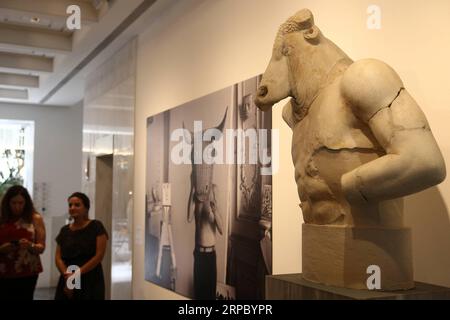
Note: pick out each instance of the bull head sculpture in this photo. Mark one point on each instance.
(202, 193)
(301, 59)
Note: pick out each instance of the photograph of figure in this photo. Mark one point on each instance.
(204, 196)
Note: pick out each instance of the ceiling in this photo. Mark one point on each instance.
(42, 62)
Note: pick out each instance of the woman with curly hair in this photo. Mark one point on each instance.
(22, 241)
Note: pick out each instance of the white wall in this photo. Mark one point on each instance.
(57, 162)
(200, 46)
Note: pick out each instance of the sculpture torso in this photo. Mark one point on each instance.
(205, 225)
(328, 142)
(202, 204)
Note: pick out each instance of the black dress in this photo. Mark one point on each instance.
(77, 248)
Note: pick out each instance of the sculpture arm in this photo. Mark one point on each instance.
(191, 205)
(413, 161)
(215, 211)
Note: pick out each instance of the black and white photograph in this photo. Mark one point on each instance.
(208, 219)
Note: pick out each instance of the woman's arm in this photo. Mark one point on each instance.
(59, 262)
(63, 270)
(38, 246)
(6, 248)
(39, 226)
(99, 253)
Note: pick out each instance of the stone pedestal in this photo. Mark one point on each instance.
(340, 256)
(294, 287)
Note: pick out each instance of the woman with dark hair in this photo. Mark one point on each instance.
(81, 247)
(22, 240)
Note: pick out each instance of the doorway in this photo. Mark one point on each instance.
(103, 209)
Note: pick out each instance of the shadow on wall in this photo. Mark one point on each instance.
(428, 216)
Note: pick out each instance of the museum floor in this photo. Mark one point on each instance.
(44, 293)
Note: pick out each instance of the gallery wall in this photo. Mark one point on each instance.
(57, 163)
(198, 46)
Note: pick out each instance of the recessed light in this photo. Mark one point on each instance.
(35, 20)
